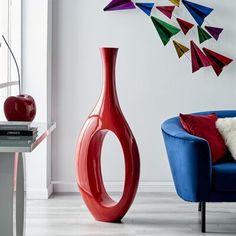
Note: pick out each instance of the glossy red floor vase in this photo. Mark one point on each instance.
(106, 116)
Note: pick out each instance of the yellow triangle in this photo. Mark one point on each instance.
(180, 49)
(175, 2)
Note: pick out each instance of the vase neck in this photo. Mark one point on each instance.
(109, 93)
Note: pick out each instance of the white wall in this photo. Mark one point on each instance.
(36, 61)
(153, 84)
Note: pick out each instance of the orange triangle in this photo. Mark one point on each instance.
(175, 2)
(180, 48)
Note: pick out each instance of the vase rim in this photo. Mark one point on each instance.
(109, 48)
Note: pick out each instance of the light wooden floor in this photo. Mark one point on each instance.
(151, 214)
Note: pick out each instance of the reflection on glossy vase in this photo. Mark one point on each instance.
(106, 116)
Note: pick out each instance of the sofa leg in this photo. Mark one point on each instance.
(203, 217)
(199, 206)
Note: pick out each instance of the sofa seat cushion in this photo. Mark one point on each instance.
(224, 177)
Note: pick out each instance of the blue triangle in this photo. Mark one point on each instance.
(198, 12)
(146, 7)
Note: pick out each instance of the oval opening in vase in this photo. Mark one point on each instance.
(113, 166)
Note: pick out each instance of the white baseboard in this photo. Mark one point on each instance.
(144, 187)
(44, 193)
(113, 187)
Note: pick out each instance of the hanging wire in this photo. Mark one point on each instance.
(14, 58)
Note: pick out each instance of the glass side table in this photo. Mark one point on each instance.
(12, 219)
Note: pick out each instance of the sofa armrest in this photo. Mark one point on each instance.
(190, 162)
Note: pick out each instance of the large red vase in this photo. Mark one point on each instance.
(106, 116)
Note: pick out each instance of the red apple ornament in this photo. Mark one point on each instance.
(20, 108)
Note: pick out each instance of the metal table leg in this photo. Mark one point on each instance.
(7, 226)
(20, 198)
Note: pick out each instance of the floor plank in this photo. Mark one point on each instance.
(151, 214)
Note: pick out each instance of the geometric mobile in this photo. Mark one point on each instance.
(119, 5)
(146, 7)
(198, 12)
(218, 61)
(180, 48)
(214, 31)
(165, 30)
(166, 10)
(202, 34)
(175, 2)
(184, 25)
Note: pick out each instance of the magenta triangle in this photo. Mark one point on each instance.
(119, 5)
(166, 10)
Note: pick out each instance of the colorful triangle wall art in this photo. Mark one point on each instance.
(184, 25)
(198, 12)
(199, 59)
(175, 2)
(115, 5)
(217, 60)
(146, 7)
(166, 10)
(202, 34)
(165, 30)
(180, 48)
(214, 31)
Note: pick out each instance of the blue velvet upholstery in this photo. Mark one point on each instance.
(224, 177)
(195, 178)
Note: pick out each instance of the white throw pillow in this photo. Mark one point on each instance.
(227, 128)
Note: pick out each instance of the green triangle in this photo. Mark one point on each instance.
(202, 34)
(165, 30)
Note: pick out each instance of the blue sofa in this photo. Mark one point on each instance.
(196, 179)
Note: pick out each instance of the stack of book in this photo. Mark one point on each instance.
(17, 133)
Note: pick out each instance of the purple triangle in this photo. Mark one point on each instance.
(119, 5)
(214, 31)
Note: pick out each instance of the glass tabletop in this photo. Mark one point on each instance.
(26, 143)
